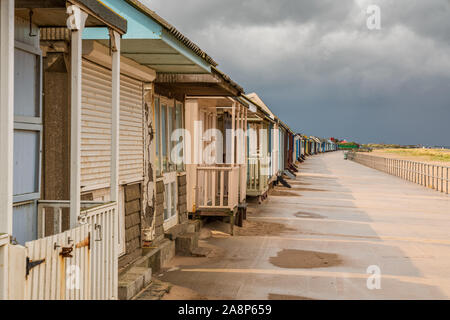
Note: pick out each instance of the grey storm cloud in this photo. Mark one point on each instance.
(323, 72)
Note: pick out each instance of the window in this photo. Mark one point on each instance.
(27, 141)
(168, 117)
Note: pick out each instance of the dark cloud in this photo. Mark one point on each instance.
(320, 69)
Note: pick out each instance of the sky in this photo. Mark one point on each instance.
(324, 70)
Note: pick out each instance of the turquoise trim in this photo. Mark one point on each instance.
(140, 26)
(181, 48)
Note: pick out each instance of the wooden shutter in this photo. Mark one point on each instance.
(95, 126)
(131, 157)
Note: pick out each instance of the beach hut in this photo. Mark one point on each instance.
(152, 193)
(260, 148)
(43, 110)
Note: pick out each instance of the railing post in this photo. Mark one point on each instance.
(76, 16)
(447, 181)
(6, 116)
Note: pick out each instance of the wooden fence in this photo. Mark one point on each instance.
(428, 175)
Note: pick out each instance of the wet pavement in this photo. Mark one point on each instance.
(318, 239)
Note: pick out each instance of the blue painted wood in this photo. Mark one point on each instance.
(25, 223)
(141, 26)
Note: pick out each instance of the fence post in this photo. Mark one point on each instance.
(447, 181)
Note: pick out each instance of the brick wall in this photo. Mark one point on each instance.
(132, 194)
(182, 203)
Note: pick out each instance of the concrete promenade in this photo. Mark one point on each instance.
(316, 241)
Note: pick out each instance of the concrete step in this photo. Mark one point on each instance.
(201, 252)
(186, 243)
(133, 281)
(155, 291)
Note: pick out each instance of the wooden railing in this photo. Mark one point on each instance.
(4, 243)
(258, 176)
(54, 217)
(242, 183)
(428, 175)
(98, 265)
(103, 221)
(217, 187)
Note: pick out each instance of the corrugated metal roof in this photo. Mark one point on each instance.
(257, 100)
(228, 79)
(172, 30)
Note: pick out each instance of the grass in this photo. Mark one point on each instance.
(429, 154)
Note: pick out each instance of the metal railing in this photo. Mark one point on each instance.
(428, 175)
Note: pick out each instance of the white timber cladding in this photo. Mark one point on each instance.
(96, 128)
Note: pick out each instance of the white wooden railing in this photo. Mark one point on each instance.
(217, 187)
(77, 264)
(242, 183)
(57, 211)
(258, 177)
(62, 270)
(4, 242)
(432, 176)
(103, 221)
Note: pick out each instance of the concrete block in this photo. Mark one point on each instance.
(160, 199)
(167, 249)
(132, 192)
(130, 285)
(132, 207)
(159, 187)
(173, 232)
(132, 220)
(145, 272)
(186, 243)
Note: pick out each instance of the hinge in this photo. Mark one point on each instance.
(31, 264)
(66, 252)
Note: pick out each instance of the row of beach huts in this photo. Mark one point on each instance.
(117, 136)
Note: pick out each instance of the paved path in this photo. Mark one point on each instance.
(346, 215)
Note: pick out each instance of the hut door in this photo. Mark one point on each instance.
(27, 141)
(169, 170)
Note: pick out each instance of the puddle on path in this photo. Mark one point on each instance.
(309, 215)
(301, 259)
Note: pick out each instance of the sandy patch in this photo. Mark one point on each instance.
(181, 293)
(301, 259)
(221, 229)
(261, 228)
(274, 296)
(306, 189)
(176, 262)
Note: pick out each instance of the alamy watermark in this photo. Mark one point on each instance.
(374, 280)
(212, 146)
(373, 17)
